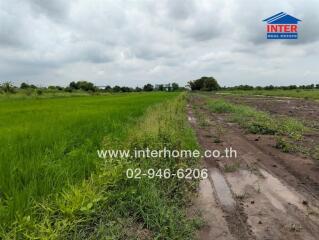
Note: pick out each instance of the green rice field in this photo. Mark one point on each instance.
(50, 143)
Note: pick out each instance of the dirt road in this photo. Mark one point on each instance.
(263, 193)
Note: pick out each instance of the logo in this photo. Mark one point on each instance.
(282, 26)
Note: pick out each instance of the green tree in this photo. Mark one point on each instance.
(116, 89)
(73, 85)
(160, 87)
(148, 87)
(138, 89)
(175, 86)
(108, 88)
(204, 84)
(24, 85)
(7, 87)
(83, 85)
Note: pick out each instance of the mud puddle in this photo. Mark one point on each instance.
(215, 226)
(223, 191)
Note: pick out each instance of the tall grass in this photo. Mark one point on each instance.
(108, 205)
(48, 144)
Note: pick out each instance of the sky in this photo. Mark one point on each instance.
(132, 43)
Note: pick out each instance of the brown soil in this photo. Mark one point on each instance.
(261, 194)
(305, 110)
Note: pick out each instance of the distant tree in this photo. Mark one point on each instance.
(68, 89)
(148, 87)
(270, 87)
(160, 87)
(73, 85)
(175, 86)
(311, 86)
(83, 85)
(138, 89)
(292, 87)
(317, 86)
(7, 87)
(52, 87)
(126, 89)
(86, 86)
(244, 87)
(116, 88)
(108, 88)
(24, 85)
(204, 84)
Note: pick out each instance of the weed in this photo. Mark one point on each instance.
(285, 145)
(258, 121)
(315, 153)
(233, 167)
(288, 130)
(219, 133)
(291, 127)
(221, 106)
(201, 118)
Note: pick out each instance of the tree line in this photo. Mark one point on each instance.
(201, 84)
(271, 87)
(86, 86)
(211, 84)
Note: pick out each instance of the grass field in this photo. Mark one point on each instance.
(306, 94)
(45, 93)
(53, 185)
(47, 144)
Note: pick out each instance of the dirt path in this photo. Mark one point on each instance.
(258, 195)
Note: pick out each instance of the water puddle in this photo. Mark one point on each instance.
(222, 189)
(215, 225)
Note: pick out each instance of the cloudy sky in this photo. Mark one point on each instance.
(53, 42)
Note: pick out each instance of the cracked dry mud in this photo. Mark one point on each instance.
(262, 194)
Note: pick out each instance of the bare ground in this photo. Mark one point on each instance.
(261, 194)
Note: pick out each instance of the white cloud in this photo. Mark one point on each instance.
(135, 42)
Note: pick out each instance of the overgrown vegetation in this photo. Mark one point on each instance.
(287, 130)
(106, 205)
